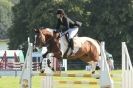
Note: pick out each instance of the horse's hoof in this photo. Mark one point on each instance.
(93, 72)
(53, 69)
(97, 77)
(97, 68)
(42, 71)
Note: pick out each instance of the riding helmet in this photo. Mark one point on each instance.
(60, 11)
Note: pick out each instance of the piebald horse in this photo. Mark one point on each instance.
(85, 48)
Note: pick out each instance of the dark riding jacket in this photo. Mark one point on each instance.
(66, 23)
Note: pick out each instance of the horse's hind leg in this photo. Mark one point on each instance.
(93, 64)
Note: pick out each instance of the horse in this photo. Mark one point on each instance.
(85, 48)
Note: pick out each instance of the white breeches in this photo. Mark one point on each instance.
(72, 32)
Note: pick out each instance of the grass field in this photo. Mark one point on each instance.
(13, 82)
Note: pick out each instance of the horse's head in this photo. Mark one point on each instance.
(49, 38)
(44, 35)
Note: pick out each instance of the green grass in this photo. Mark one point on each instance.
(13, 82)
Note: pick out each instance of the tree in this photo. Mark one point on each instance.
(105, 20)
(112, 21)
(5, 17)
(30, 15)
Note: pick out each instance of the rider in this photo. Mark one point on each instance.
(69, 26)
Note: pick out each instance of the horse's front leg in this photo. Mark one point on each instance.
(43, 56)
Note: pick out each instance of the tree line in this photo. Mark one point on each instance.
(5, 17)
(104, 20)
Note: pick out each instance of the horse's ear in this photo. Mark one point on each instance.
(36, 30)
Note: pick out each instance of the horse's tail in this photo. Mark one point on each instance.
(99, 45)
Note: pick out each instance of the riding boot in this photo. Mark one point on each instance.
(71, 44)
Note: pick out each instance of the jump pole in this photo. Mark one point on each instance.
(127, 68)
(105, 77)
(26, 75)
